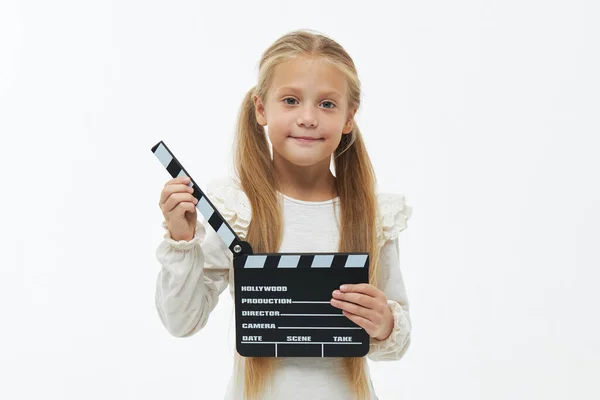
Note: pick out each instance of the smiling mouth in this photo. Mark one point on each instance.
(305, 138)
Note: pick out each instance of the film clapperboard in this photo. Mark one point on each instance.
(282, 300)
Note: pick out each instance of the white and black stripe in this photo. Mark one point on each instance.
(320, 260)
(204, 205)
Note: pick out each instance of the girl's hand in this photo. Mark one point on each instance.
(366, 306)
(178, 206)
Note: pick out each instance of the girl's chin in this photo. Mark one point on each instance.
(299, 160)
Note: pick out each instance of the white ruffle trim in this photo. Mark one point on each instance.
(231, 201)
(394, 214)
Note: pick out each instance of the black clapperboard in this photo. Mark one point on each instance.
(282, 300)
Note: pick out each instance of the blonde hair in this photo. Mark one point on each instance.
(355, 183)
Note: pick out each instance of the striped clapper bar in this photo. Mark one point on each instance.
(282, 300)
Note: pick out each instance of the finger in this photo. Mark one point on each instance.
(177, 198)
(357, 298)
(362, 322)
(180, 179)
(181, 209)
(173, 188)
(362, 288)
(353, 308)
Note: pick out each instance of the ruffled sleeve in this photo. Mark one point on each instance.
(228, 197)
(194, 273)
(394, 214)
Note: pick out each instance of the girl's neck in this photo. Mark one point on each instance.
(314, 183)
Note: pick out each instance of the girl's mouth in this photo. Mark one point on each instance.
(305, 139)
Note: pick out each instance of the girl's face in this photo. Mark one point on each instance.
(306, 111)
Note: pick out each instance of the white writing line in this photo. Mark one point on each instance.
(312, 302)
(316, 327)
(304, 343)
(312, 315)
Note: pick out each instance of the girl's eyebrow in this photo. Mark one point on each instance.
(332, 93)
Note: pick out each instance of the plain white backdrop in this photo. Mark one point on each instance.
(484, 114)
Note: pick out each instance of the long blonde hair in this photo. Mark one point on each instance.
(355, 184)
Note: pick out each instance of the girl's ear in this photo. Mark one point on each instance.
(349, 125)
(259, 110)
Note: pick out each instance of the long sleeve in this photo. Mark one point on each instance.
(192, 276)
(397, 343)
(194, 273)
(394, 213)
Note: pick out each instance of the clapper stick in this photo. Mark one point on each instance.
(282, 299)
(204, 205)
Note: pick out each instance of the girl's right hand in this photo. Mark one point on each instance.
(178, 206)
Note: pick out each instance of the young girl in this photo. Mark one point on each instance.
(286, 199)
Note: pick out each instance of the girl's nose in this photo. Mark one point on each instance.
(307, 118)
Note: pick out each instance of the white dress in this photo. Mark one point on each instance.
(184, 304)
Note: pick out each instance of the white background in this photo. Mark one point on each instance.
(483, 113)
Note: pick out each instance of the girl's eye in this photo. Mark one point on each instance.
(329, 102)
(289, 98)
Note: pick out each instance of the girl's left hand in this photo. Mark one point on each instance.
(366, 306)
